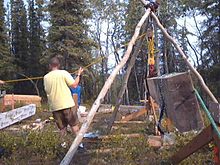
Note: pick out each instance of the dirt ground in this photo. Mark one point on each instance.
(23, 145)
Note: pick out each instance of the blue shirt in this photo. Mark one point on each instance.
(77, 90)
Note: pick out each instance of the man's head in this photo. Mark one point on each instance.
(54, 63)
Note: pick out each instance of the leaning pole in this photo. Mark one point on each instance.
(73, 148)
(203, 84)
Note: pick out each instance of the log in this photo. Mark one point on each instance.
(129, 122)
(109, 137)
(104, 150)
(123, 109)
(73, 148)
(10, 99)
(134, 135)
(135, 115)
(10, 117)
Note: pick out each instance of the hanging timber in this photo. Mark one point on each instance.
(180, 101)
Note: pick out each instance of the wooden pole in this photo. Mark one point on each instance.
(125, 81)
(198, 142)
(73, 148)
(205, 87)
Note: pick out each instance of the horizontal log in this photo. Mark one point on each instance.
(134, 115)
(129, 122)
(153, 141)
(102, 151)
(10, 99)
(107, 108)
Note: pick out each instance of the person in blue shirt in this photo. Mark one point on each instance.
(77, 91)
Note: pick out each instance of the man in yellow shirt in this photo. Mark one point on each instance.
(56, 85)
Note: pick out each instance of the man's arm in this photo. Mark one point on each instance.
(76, 82)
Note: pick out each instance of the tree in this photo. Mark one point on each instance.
(6, 66)
(206, 16)
(36, 38)
(210, 67)
(68, 32)
(136, 80)
(19, 42)
(19, 33)
(107, 22)
(68, 36)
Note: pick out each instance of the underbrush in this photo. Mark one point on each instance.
(43, 147)
(25, 146)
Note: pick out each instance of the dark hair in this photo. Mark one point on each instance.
(54, 62)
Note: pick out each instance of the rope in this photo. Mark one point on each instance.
(208, 113)
(37, 78)
(96, 61)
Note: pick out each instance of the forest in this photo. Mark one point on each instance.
(95, 34)
(32, 31)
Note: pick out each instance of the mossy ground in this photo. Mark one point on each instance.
(23, 146)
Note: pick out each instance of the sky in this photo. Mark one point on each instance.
(189, 24)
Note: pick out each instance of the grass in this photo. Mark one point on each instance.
(43, 147)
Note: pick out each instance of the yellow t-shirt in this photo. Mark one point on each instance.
(56, 85)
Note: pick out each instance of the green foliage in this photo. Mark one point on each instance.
(6, 65)
(43, 143)
(36, 38)
(25, 145)
(68, 33)
(19, 34)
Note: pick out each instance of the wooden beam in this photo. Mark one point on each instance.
(122, 109)
(108, 137)
(135, 115)
(129, 122)
(73, 148)
(216, 138)
(198, 142)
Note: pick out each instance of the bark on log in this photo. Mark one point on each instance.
(73, 148)
(205, 87)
